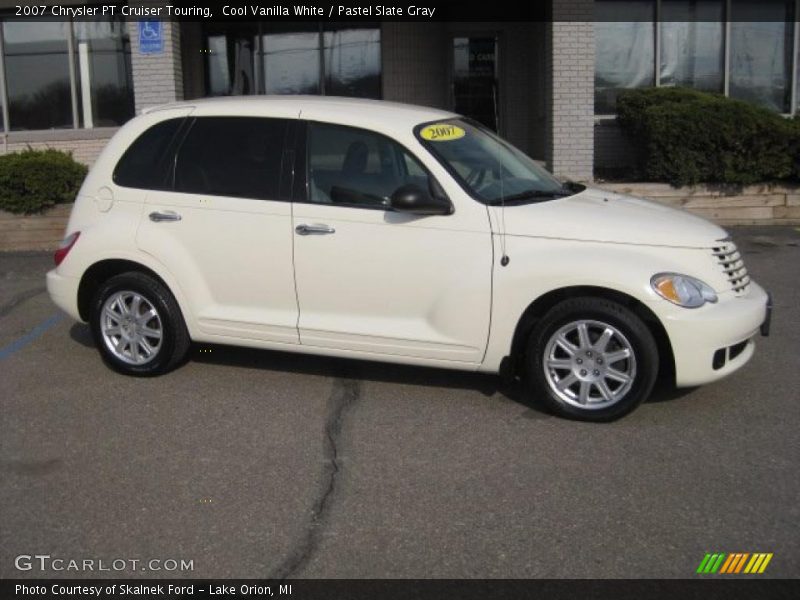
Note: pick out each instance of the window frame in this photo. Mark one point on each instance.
(727, 8)
(302, 162)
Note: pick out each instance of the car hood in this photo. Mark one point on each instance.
(601, 216)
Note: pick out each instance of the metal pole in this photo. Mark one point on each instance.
(726, 69)
(73, 84)
(321, 60)
(657, 46)
(795, 59)
(3, 94)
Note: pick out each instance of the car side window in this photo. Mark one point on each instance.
(144, 164)
(358, 168)
(232, 156)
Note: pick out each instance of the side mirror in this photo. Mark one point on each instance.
(414, 200)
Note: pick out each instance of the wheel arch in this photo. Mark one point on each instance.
(539, 307)
(102, 271)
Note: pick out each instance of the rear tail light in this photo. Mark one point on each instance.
(65, 246)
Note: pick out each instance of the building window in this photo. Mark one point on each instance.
(37, 75)
(692, 44)
(104, 72)
(291, 62)
(691, 38)
(293, 58)
(761, 53)
(624, 56)
(352, 61)
(60, 74)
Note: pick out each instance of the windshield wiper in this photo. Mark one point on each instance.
(532, 194)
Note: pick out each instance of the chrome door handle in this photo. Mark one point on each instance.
(167, 215)
(314, 230)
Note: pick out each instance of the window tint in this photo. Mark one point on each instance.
(232, 156)
(144, 163)
(359, 168)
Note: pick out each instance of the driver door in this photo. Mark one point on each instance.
(371, 280)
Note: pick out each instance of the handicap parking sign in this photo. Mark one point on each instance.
(150, 39)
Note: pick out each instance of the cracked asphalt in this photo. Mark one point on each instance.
(263, 464)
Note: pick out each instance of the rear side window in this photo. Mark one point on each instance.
(146, 162)
(232, 156)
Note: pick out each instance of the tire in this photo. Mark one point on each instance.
(123, 340)
(601, 380)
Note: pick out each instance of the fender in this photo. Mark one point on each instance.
(540, 266)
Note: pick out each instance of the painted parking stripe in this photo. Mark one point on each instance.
(29, 337)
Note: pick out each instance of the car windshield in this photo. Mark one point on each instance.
(487, 167)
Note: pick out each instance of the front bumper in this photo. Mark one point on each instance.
(63, 292)
(715, 340)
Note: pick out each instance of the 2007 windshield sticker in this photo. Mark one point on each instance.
(442, 132)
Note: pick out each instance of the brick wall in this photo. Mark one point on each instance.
(85, 145)
(570, 89)
(157, 78)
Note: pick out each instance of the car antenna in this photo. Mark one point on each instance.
(504, 260)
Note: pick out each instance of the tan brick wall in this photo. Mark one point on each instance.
(570, 89)
(84, 151)
(157, 78)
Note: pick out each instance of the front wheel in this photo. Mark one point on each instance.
(591, 359)
(137, 325)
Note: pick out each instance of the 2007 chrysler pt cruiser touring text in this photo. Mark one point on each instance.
(383, 231)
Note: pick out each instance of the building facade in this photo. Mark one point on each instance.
(548, 87)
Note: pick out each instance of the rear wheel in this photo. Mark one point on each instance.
(137, 325)
(591, 359)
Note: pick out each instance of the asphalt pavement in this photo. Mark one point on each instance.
(263, 464)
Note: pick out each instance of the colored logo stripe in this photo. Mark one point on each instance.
(734, 563)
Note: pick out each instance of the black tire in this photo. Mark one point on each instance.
(174, 342)
(597, 311)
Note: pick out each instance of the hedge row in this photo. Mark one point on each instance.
(684, 136)
(32, 181)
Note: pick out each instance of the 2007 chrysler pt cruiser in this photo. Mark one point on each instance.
(383, 231)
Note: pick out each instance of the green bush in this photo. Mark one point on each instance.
(685, 136)
(34, 180)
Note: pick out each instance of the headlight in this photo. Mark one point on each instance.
(682, 290)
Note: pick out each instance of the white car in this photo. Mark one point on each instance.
(390, 232)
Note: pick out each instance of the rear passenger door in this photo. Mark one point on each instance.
(222, 226)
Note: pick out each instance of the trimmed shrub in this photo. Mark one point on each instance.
(684, 136)
(32, 181)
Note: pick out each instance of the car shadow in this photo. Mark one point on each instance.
(80, 332)
(324, 366)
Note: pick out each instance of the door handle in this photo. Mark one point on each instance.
(167, 215)
(314, 230)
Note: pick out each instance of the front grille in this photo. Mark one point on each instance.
(730, 261)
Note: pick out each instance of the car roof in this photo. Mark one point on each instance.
(350, 111)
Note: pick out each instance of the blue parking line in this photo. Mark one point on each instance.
(26, 339)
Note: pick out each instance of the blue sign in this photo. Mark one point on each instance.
(151, 40)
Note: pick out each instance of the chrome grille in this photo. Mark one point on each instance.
(732, 265)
